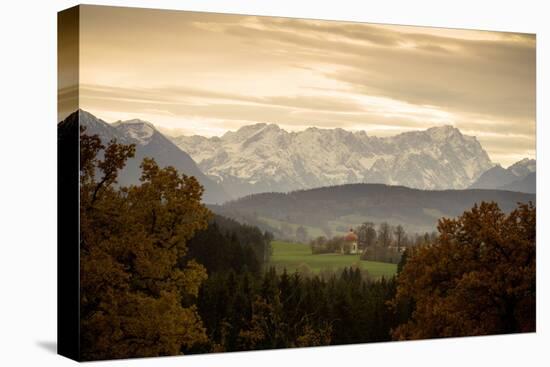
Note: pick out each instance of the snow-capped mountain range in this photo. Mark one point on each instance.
(263, 157)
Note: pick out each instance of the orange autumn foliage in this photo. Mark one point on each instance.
(478, 278)
(132, 284)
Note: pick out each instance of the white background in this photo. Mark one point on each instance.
(28, 183)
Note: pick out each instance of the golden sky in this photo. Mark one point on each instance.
(205, 73)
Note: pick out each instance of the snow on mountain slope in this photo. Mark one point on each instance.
(523, 167)
(138, 130)
(150, 143)
(263, 157)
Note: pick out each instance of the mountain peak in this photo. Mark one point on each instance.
(270, 127)
(137, 129)
(246, 130)
(137, 122)
(523, 162)
(253, 127)
(443, 132)
(523, 167)
(87, 118)
(84, 113)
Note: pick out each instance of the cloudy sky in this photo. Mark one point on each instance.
(201, 73)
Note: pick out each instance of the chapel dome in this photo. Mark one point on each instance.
(350, 236)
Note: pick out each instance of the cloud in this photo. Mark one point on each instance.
(302, 110)
(178, 95)
(486, 81)
(487, 77)
(224, 71)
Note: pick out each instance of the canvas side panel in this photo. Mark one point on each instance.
(68, 282)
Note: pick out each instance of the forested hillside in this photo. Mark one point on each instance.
(333, 209)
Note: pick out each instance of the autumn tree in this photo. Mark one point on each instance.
(476, 278)
(135, 295)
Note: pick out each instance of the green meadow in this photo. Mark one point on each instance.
(294, 255)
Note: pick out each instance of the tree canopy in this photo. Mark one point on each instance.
(133, 288)
(476, 278)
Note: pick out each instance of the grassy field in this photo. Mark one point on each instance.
(292, 255)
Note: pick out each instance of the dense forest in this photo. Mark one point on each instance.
(161, 275)
(243, 312)
(228, 245)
